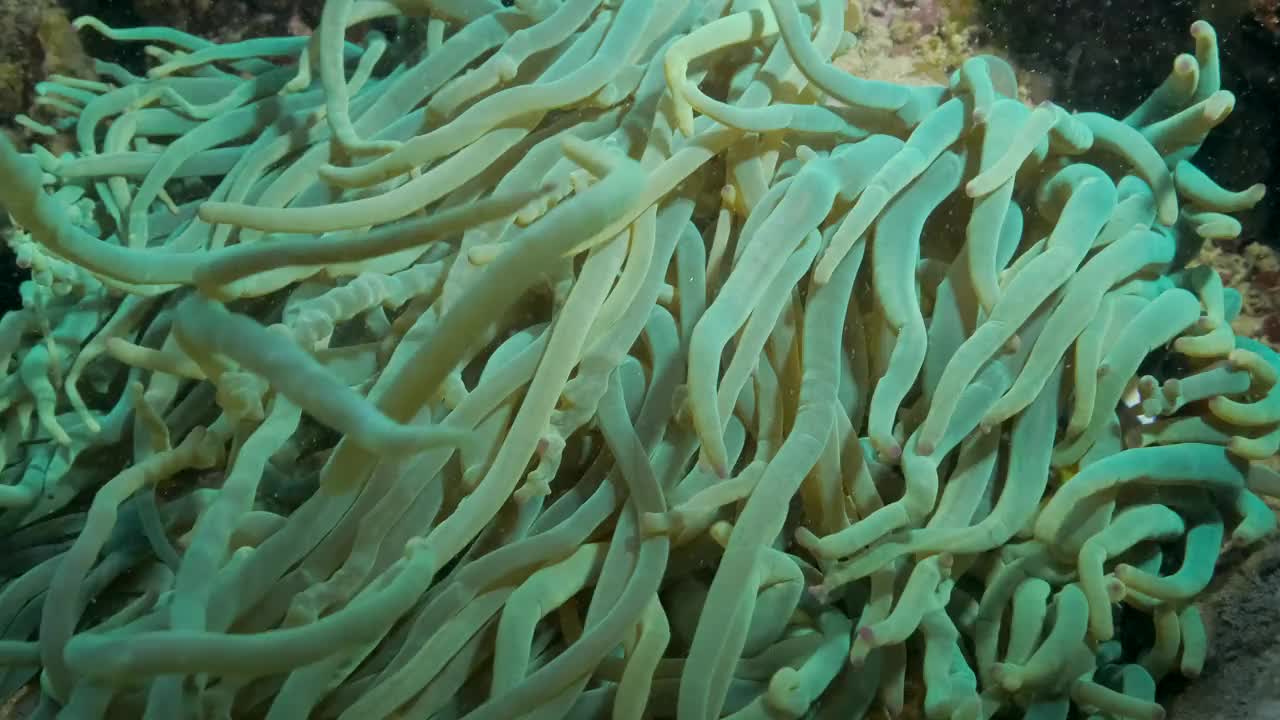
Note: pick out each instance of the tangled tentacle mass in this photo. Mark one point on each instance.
(591, 358)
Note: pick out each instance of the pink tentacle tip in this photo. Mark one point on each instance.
(867, 635)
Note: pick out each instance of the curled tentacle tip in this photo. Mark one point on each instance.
(1116, 589)
(1217, 111)
(1008, 677)
(472, 474)
(721, 531)
(506, 68)
(535, 486)
(820, 593)
(806, 537)
(857, 659)
(415, 545)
